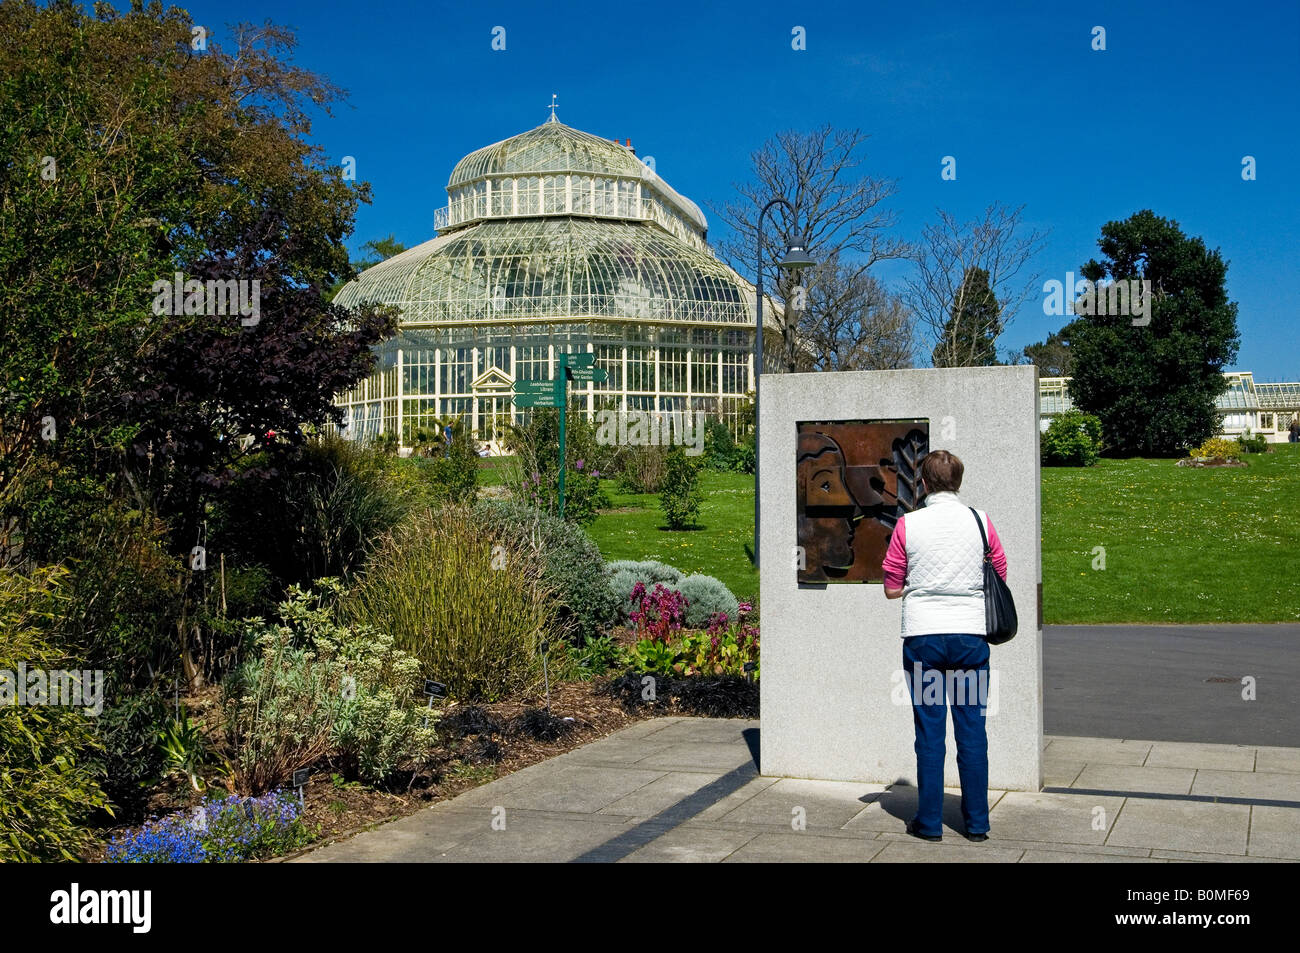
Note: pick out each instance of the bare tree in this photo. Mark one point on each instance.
(853, 322)
(941, 292)
(838, 210)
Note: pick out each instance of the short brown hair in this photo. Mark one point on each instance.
(941, 472)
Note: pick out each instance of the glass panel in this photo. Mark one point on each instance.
(704, 371)
(553, 194)
(735, 372)
(457, 366)
(610, 358)
(532, 363)
(606, 197)
(503, 197)
(627, 198)
(582, 194)
(530, 196)
(640, 369)
(672, 370)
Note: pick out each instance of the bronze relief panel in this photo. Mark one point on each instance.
(856, 478)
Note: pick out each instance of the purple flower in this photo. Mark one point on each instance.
(579, 464)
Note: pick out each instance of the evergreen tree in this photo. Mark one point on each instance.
(1052, 357)
(974, 323)
(1153, 383)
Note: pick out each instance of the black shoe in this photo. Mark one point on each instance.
(932, 838)
(977, 838)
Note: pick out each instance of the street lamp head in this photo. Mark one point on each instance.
(796, 255)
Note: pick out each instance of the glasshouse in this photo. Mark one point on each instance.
(1245, 406)
(555, 241)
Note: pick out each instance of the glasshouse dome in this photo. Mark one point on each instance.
(555, 241)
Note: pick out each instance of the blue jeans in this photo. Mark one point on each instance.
(966, 655)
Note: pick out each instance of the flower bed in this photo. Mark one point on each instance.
(226, 830)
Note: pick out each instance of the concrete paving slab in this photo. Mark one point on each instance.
(1251, 784)
(641, 729)
(732, 801)
(1061, 774)
(691, 845)
(1053, 818)
(1274, 832)
(1192, 857)
(1182, 825)
(577, 789)
(625, 751)
(1038, 856)
(913, 851)
(792, 847)
(1015, 843)
(491, 792)
(823, 803)
(537, 837)
(1098, 750)
(410, 839)
(710, 756)
(894, 806)
(660, 794)
(1275, 760)
(707, 729)
(1182, 754)
(1126, 778)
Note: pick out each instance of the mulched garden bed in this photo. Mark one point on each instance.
(480, 743)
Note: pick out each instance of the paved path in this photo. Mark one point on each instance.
(1172, 682)
(688, 789)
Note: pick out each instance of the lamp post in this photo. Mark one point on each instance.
(796, 257)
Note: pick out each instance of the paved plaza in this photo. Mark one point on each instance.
(689, 789)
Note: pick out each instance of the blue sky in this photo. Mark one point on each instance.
(1160, 119)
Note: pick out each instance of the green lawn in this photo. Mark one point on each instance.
(1182, 545)
(492, 471)
(632, 530)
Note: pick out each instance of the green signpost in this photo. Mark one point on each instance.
(579, 368)
(581, 375)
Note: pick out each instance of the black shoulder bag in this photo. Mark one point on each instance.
(999, 608)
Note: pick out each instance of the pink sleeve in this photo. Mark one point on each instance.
(995, 549)
(895, 561)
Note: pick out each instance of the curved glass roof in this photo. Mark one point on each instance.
(554, 148)
(550, 147)
(556, 224)
(556, 268)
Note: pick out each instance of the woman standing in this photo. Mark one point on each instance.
(935, 564)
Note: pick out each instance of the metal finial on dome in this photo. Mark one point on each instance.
(553, 106)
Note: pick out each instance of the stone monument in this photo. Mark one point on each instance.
(839, 464)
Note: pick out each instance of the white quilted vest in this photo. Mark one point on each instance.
(943, 592)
